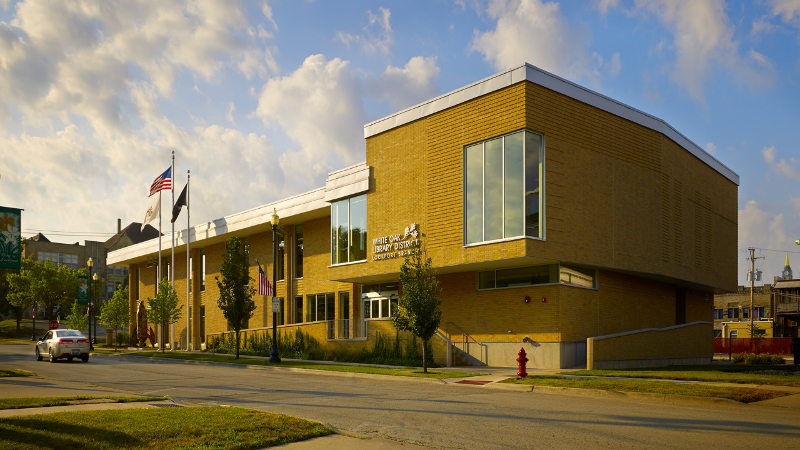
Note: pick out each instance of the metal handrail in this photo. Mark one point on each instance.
(465, 341)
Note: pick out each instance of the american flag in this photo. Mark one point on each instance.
(264, 288)
(162, 182)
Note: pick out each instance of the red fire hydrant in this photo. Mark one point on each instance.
(522, 360)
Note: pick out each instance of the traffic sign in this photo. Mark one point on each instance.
(33, 313)
(276, 305)
(53, 324)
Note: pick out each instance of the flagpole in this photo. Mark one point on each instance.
(158, 272)
(188, 261)
(172, 266)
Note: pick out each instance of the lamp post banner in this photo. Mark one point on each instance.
(10, 240)
(83, 290)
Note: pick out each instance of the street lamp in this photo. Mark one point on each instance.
(274, 357)
(90, 263)
(94, 283)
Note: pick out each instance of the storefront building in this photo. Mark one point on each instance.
(559, 220)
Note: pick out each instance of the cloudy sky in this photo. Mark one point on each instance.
(261, 99)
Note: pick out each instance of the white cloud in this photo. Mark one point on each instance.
(321, 107)
(229, 114)
(538, 33)
(711, 148)
(605, 5)
(372, 41)
(615, 66)
(703, 37)
(76, 57)
(789, 10)
(782, 167)
(762, 229)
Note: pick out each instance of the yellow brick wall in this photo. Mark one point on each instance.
(691, 341)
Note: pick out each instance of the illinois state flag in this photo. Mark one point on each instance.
(153, 212)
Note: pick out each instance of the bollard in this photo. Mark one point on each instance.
(522, 360)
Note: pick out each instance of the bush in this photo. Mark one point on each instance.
(123, 338)
(753, 358)
(299, 345)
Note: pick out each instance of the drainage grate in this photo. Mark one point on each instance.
(160, 405)
(477, 383)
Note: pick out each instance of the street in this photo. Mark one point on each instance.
(428, 413)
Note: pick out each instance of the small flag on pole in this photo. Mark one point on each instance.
(176, 209)
(162, 182)
(153, 212)
(264, 288)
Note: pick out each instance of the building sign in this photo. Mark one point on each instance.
(10, 242)
(397, 245)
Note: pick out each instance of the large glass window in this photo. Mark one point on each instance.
(502, 187)
(298, 309)
(518, 277)
(349, 230)
(320, 307)
(202, 270)
(298, 251)
(577, 276)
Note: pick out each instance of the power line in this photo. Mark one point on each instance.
(770, 250)
(69, 233)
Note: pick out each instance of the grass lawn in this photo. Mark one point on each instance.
(734, 373)
(14, 373)
(184, 428)
(744, 395)
(416, 372)
(10, 335)
(41, 402)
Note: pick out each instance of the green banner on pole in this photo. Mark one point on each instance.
(83, 290)
(10, 238)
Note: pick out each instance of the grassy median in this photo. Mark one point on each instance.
(184, 428)
(744, 395)
(404, 372)
(4, 373)
(734, 373)
(42, 402)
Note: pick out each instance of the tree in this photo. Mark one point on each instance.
(164, 309)
(235, 294)
(41, 283)
(78, 318)
(5, 305)
(116, 311)
(418, 308)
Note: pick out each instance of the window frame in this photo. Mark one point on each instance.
(349, 231)
(558, 283)
(542, 194)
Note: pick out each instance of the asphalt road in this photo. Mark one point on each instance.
(430, 413)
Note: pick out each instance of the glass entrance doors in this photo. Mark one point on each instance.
(379, 300)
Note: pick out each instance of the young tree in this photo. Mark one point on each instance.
(164, 309)
(418, 308)
(116, 311)
(78, 318)
(235, 291)
(5, 305)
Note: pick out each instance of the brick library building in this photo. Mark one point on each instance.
(559, 220)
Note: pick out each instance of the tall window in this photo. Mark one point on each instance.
(298, 251)
(503, 185)
(298, 309)
(281, 254)
(320, 307)
(349, 230)
(202, 270)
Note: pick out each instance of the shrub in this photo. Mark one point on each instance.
(776, 359)
(299, 345)
(123, 338)
(753, 358)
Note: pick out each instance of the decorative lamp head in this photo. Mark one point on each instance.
(90, 263)
(95, 277)
(275, 219)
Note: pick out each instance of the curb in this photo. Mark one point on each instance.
(599, 393)
(286, 369)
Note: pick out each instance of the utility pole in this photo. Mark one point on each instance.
(752, 260)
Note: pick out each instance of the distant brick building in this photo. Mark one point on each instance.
(735, 306)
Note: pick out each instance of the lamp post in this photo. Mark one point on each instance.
(94, 283)
(274, 357)
(90, 263)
